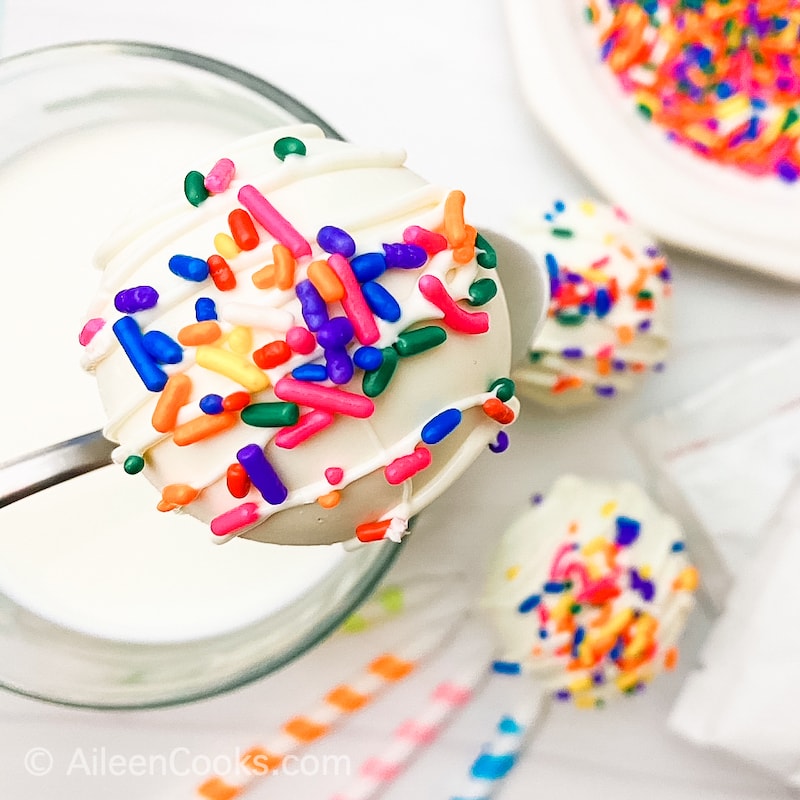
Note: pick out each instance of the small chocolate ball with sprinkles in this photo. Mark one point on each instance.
(608, 324)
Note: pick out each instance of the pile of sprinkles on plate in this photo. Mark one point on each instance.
(610, 293)
(589, 591)
(722, 77)
(275, 364)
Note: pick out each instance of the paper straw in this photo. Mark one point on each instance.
(338, 704)
(499, 756)
(415, 733)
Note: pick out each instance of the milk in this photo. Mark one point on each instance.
(93, 554)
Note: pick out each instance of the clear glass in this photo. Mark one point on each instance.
(52, 94)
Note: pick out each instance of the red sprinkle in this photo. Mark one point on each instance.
(221, 273)
(243, 230)
(238, 481)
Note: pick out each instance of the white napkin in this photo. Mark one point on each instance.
(730, 458)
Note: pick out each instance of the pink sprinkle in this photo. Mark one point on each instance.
(301, 340)
(452, 694)
(416, 732)
(429, 241)
(558, 570)
(273, 221)
(406, 467)
(353, 302)
(378, 770)
(305, 427)
(606, 352)
(455, 317)
(90, 330)
(235, 520)
(325, 398)
(334, 475)
(220, 177)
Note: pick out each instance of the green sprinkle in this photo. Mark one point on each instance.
(791, 118)
(570, 318)
(645, 294)
(288, 146)
(575, 608)
(482, 291)
(645, 111)
(355, 623)
(505, 388)
(271, 415)
(534, 356)
(392, 599)
(133, 465)
(411, 343)
(487, 258)
(375, 381)
(562, 233)
(194, 187)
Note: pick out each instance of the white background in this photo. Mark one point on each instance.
(435, 77)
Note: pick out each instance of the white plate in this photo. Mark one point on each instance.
(681, 198)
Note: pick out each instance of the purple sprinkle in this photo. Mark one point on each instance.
(573, 277)
(562, 695)
(312, 306)
(537, 498)
(618, 364)
(335, 240)
(572, 352)
(605, 390)
(645, 325)
(646, 588)
(501, 444)
(335, 333)
(404, 256)
(787, 171)
(652, 252)
(137, 298)
(262, 474)
(339, 365)
(659, 367)
(598, 678)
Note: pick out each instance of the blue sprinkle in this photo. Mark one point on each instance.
(189, 268)
(529, 603)
(368, 266)
(616, 651)
(440, 426)
(552, 265)
(368, 358)
(338, 365)
(509, 725)
(602, 302)
(543, 633)
(381, 303)
(211, 404)
(164, 349)
(404, 256)
(554, 587)
(580, 635)
(507, 667)
(491, 768)
(335, 240)
(627, 531)
(678, 547)
(127, 331)
(137, 298)
(205, 309)
(312, 306)
(724, 90)
(310, 372)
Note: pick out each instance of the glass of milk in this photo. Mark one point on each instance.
(104, 602)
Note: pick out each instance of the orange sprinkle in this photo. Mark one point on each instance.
(639, 283)
(466, 252)
(164, 507)
(573, 528)
(179, 494)
(217, 789)
(372, 531)
(454, 227)
(671, 659)
(329, 500)
(199, 333)
(346, 699)
(637, 366)
(260, 761)
(304, 729)
(688, 580)
(204, 427)
(174, 396)
(326, 281)
(284, 266)
(265, 277)
(603, 366)
(565, 382)
(498, 410)
(391, 668)
(625, 334)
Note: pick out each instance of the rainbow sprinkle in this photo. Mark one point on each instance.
(721, 77)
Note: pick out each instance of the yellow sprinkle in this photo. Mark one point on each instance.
(512, 572)
(627, 680)
(646, 571)
(699, 133)
(588, 208)
(618, 623)
(597, 545)
(688, 580)
(580, 685)
(563, 608)
(733, 106)
(233, 366)
(595, 573)
(595, 275)
(585, 701)
(609, 508)
(240, 339)
(225, 246)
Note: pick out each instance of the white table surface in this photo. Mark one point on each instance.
(436, 78)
